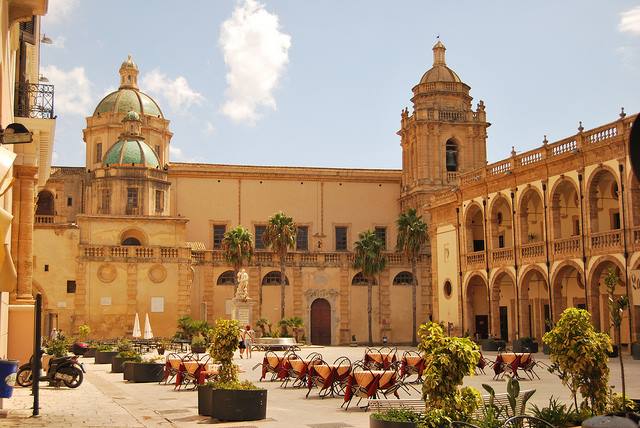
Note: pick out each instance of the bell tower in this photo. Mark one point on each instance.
(443, 136)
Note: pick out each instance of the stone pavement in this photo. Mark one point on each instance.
(104, 399)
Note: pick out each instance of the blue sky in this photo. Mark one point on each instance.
(322, 83)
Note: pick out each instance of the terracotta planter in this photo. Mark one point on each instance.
(204, 400)
(104, 357)
(376, 423)
(143, 372)
(238, 405)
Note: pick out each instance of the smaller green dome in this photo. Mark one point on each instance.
(131, 116)
(131, 153)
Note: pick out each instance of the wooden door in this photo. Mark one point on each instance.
(321, 322)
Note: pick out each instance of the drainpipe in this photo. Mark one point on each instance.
(486, 260)
(626, 254)
(462, 326)
(515, 261)
(584, 253)
(546, 244)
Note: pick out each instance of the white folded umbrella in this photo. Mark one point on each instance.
(136, 327)
(148, 334)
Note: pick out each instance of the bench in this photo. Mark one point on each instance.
(417, 405)
(275, 344)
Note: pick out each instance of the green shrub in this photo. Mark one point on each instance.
(244, 385)
(556, 413)
(447, 361)
(130, 355)
(398, 415)
(579, 357)
(124, 345)
(105, 348)
(224, 341)
(84, 331)
(57, 347)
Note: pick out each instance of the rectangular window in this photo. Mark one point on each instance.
(501, 241)
(218, 235)
(258, 237)
(478, 245)
(159, 201)
(132, 200)
(615, 221)
(69, 201)
(341, 238)
(105, 201)
(71, 286)
(576, 227)
(302, 238)
(46, 268)
(98, 152)
(381, 233)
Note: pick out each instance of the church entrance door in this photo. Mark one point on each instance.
(321, 322)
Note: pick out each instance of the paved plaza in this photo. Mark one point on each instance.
(104, 399)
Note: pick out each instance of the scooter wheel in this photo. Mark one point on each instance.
(77, 378)
(24, 377)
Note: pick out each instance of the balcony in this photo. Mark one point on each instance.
(44, 219)
(475, 260)
(532, 252)
(502, 256)
(124, 252)
(566, 247)
(606, 242)
(34, 100)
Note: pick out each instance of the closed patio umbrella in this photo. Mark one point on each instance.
(148, 334)
(136, 327)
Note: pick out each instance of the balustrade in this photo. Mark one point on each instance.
(566, 246)
(475, 260)
(452, 176)
(610, 240)
(532, 251)
(44, 219)
(502, 255)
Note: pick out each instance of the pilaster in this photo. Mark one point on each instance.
(208, 292)
(22, 231)
(185, 279)
(254, 291)
(298, 308)
(384, 300)
(345, 298)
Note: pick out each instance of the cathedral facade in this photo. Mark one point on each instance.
(133, 232)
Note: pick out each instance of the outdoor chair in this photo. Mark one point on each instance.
(292, 374)
(359, 390)
(409, 366)
(271, 364)
(524, 421)
(342, 375)
(186, 372)
(528, 368)
(393, 384)
(171, 368)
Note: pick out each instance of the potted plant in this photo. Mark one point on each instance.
(104, 354)
(147, 370)
(163, 345)
(525, 344)
(198, 344)
(354, 342)
(232, 400)
(80, 347)
(396, 418)
(492, 344)
(117, 362)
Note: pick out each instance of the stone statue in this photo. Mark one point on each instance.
(242, 292)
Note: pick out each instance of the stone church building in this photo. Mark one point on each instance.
(133, 232)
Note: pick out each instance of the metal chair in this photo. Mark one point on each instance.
(342, 375)
(410, 370)
(171, 368)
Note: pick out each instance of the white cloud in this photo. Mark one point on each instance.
(59, 10)
(73, 89)
(209, 128)
(630, 21)
(176, 92)
(177, 155)
(58, 42)
(256, 53)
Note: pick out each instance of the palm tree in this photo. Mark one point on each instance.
(280, 236)
(237, 246)
(370, 260)
(412, 238)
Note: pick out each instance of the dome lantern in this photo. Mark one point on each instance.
(438, 54)
(129, 74)
(132, 125)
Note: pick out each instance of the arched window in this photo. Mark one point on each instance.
(131, 241)
(403, 278)
(452, 156)
(359, 279)
(273, 278)
(227, 278)
(45, 203)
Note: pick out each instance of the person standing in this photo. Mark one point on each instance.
(249, 338)
(241, 344)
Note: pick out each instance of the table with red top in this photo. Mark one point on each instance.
(370, 380)
(275, 363)
(379, 359)
(330, 373)
(514, 360)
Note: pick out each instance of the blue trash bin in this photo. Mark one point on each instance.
(8, 369)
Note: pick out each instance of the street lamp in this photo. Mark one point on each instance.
(46, 40)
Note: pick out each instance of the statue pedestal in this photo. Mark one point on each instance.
(241, 311)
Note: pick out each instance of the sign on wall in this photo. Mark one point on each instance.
(105, 301)
(157, 304)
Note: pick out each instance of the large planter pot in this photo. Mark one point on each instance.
(492, 345)
(376, 423)
(90, 352)
(117, 364)
(143, 372)
(198, 349)
(204, 400)
(614, 352)
(609, 422)
(239, 405)
(635, 350)
(525, 346)
(104, 357)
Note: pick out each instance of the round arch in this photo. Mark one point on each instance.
(133, 234)
(45, 203)
(556, 271)
(564, 203)
(474, 227)
(360, 279)
(527, 271)
(603, 200)
(500, 222)
(273, 278)
(476, 301)
(563, 179)
(530, 209)
(500, 272)
(403, 278)
(597, 287)
(227, 278)
(596, 173)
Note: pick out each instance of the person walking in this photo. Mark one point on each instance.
(249, 338)
(241, 344)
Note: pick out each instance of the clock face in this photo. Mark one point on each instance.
(634, 147)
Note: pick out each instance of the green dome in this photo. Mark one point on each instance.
(131, 153)
(125, 100)
(131, 116)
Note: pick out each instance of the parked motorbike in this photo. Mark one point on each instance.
(65, 370)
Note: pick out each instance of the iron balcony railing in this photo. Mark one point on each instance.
(34, 100)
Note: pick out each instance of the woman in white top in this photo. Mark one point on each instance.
(249, 337)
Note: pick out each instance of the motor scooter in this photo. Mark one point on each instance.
(59, 370)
